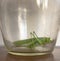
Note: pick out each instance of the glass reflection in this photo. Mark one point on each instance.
(22, 23)
(43, 3)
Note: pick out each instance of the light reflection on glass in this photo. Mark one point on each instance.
(38, 2)
(22, 23)
(45, 4)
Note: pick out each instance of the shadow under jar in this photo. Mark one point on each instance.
(29, 27)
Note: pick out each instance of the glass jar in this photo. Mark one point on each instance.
(29, 27)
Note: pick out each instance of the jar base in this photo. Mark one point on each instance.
(28, 54)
